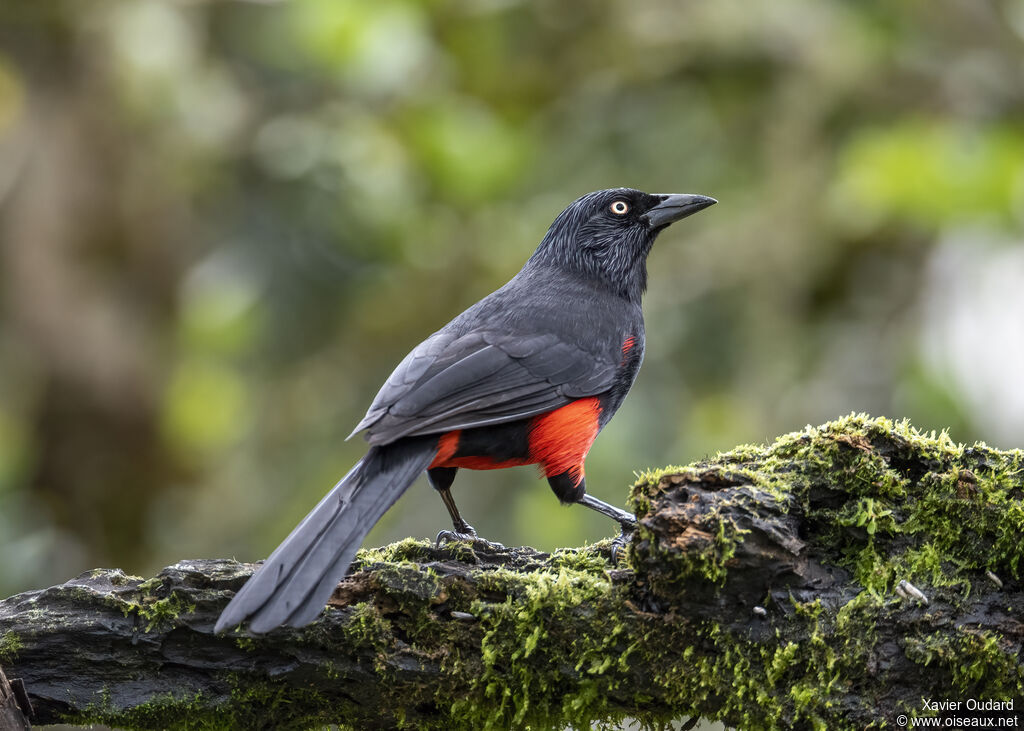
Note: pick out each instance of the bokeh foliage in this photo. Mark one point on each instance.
(223, 223)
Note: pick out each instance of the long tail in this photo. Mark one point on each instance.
(293, 585)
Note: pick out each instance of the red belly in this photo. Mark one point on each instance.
(558, 441)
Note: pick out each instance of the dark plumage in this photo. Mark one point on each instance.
(527, 375)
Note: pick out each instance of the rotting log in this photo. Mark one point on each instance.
(14, 705)
(833, 579)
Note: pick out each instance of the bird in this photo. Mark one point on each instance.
(528, 375)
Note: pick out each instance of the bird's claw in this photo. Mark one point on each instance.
(620, 541)
(468, 536)
(445, 536)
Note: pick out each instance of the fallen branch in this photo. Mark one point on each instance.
(14, 704)
(833, 579)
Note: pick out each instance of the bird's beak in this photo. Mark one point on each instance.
(675, 207)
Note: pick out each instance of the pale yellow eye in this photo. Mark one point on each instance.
(620, 208)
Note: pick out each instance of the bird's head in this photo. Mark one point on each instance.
(609, 233)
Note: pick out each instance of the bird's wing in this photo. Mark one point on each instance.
(453, 381)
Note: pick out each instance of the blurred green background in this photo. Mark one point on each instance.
(223, 223)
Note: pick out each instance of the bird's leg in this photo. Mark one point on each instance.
(463, 531)
(625, 520)
(569, 490)
(442, 478)
(462, 528)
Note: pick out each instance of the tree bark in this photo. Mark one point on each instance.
(14, 706)
(837, 578)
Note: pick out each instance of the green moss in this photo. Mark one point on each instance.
(163, 711)
(977, 661)
(164, 611)
(587, 560)
(881, 500)
(10, 645)
(409, 584)
(891, 503)
(535, 667)
(881, 510)
(245, 642)
(462, 551)
(252, 702)
(504, 647)
(868, 513)
(410, 549)
(525, 663)
(157, 612)
(709, 562)
(777, 684)
(367, 628)
(149, 586)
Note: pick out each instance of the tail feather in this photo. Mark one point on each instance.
(294, 583)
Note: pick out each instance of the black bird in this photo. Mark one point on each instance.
(528, 375)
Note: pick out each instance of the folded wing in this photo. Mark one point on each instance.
(453, 381)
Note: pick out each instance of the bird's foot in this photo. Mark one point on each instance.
(465, 532)
(445, 536)
(621, 541)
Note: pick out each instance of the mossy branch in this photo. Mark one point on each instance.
(832, 579)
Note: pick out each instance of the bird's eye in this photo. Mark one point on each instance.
(619, 208)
